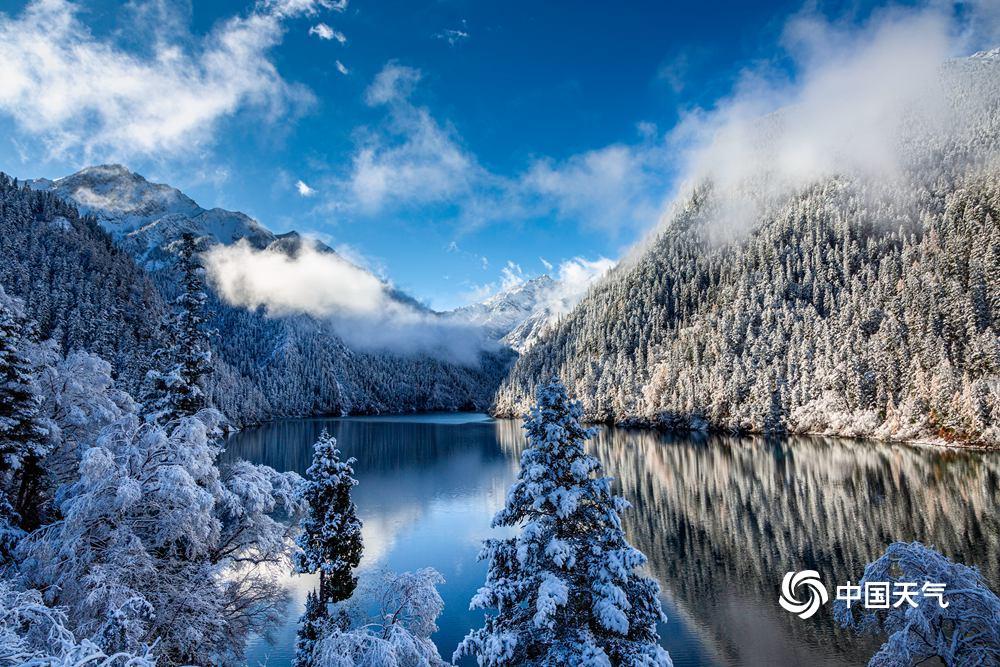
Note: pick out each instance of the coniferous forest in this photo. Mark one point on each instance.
(850, 306)
(767, 433)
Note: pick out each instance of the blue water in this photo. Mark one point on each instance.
(721, 520)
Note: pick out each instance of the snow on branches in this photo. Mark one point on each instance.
(965, 632)
(566, 589)
(35, 635)
(156, 542)
(387, 623)
(330, 542)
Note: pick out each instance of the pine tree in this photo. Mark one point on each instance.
(22, 439)
(330, 542)
(310, 630)
(565, 590)
(177, 387)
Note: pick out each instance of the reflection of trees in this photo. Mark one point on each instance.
(379, 446)
(722, 519)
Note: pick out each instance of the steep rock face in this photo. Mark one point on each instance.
(852, 305)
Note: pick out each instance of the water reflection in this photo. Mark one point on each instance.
(722, 519)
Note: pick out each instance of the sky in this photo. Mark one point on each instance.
(453, 147)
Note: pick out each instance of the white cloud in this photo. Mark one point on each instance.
(546, 263)
(452, 36)
(573, 279)
(304, 189)
(87, 97)
(861, 96)
(290, 8)
(413, 160)
(342, 68)
(393, 84)
(410, 159)
(511, 275)
(615, 187)
(312, 282)
(360, 307)
(323, 31)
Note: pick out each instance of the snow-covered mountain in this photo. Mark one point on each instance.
(266, 366)
(144, 217)
(860, 301)
(530, 330)
(507, 310)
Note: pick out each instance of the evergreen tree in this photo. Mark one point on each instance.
(565, 590)
(176, 388)
(310, 630)
(330, 542)
(22, 439)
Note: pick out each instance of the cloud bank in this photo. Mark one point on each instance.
(860, 97)
(89, 98)
(413, 160)
(573, 278)
(835, 99)
(362, 310)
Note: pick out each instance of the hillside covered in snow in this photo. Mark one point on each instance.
(847, 302)
(100, 282)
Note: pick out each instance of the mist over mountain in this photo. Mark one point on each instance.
(274, 356)
(846, 300)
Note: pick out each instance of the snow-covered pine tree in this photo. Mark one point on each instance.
(566, 589)
(22, 439)
(310, 630)
(330, 542)
(176, 387)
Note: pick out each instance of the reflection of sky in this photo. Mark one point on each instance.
(721, 520)
(428, 487)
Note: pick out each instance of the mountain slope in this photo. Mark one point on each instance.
(143, 216)
(265, 367)
(78, 287)
(856, 306)
(503, 312)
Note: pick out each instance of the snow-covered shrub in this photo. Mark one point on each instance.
(387, 623)
(965, 633)
(156, 543)
(35, 635)
(78, 398)
(566, 589)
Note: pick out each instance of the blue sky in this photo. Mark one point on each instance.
(447, 144)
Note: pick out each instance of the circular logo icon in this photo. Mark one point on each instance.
(814, 589)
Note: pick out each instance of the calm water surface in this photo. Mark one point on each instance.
(720, 518)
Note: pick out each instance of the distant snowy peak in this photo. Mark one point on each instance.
(530, 330)
(507, 310)
(146, 216)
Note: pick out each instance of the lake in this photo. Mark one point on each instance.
(720, 518)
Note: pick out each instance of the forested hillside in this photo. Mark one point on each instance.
(77, 286)
(855, 305)
(88, 294)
